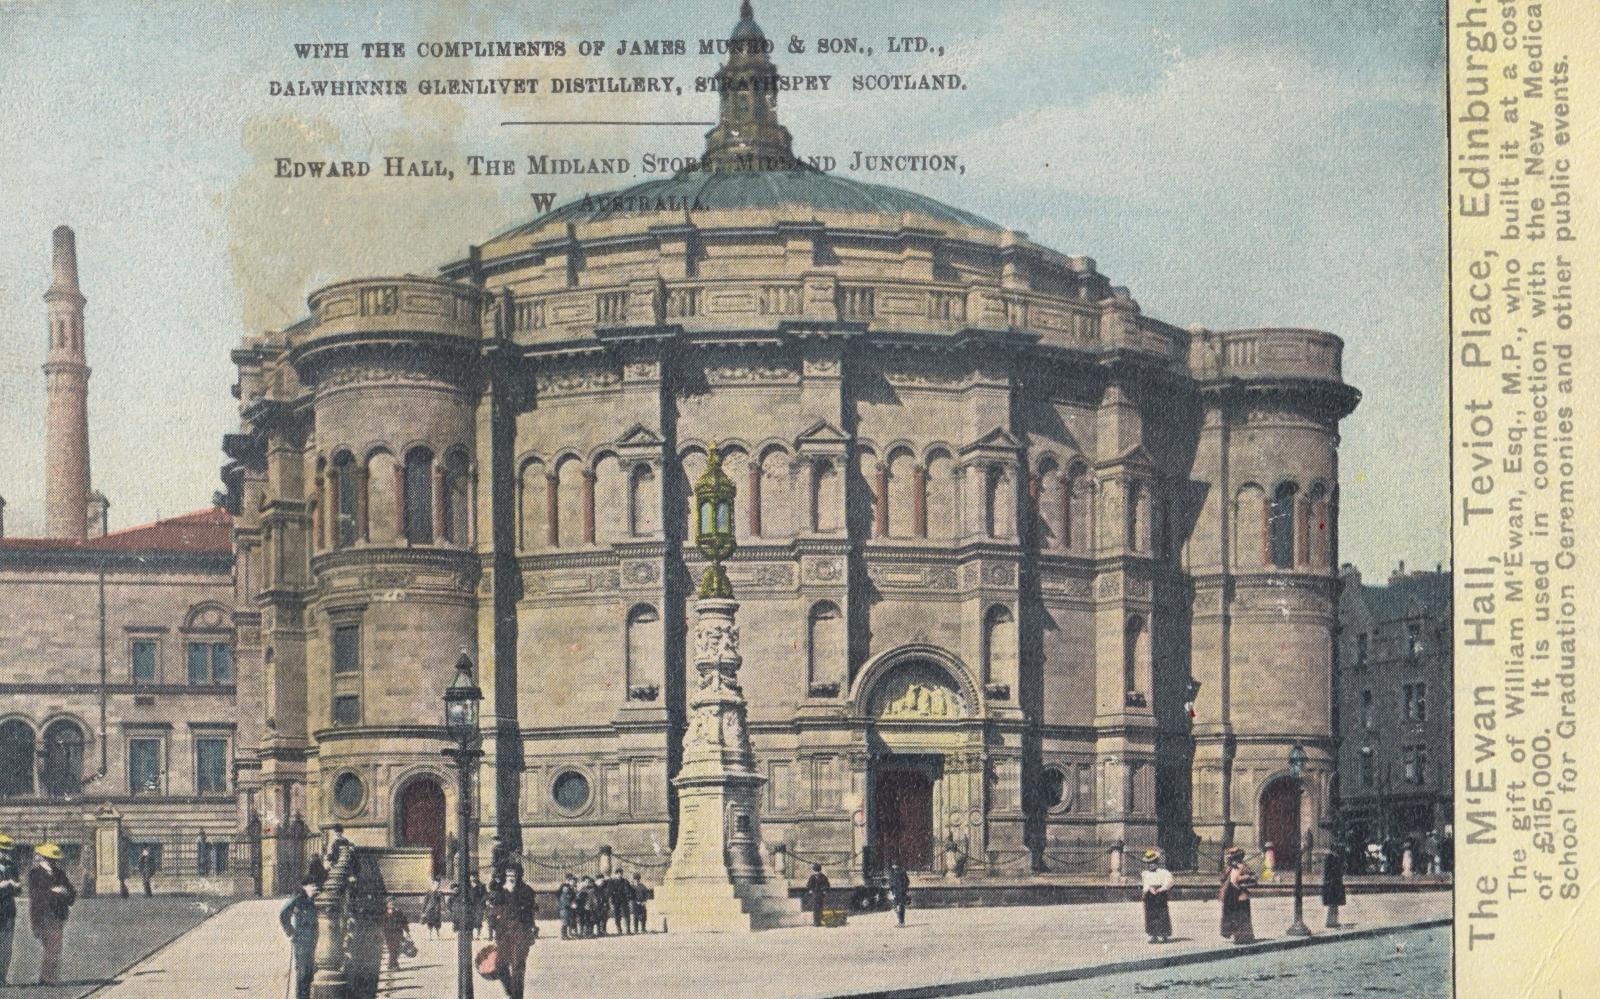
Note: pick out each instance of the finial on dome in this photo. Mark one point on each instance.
(748, 136)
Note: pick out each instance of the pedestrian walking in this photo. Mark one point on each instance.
(566, 905)
(816, 893)
(1156, 884)
(639, 896)
(202, 854)
(147, 869)
(899, 891)
(1235, 894)
(515, 914)
(50, 898)
(477, 903)
(433, 908)
(396, 929)
(1333, 885)
(299, 920)
(10, 885)
(600, 906)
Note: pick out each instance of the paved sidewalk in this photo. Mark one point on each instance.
(242, 952)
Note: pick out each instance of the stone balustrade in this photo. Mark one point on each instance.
(1267, 353)
(411, 306)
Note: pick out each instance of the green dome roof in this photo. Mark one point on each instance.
(708, 190)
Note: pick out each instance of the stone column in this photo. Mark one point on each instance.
(880, 507)
(919, 501)
(362, 477)
(552, 511)
(588, 506)
(753, 498)
(107, 849)
(438, 501)
(400, 501)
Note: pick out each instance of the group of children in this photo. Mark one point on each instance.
(585, 906)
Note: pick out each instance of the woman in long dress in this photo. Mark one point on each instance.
(1236, 884)
(1157, 883)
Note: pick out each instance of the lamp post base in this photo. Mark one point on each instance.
(1298, 929)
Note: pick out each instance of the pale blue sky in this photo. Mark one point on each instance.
(1234, 163)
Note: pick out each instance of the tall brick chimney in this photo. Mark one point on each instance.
(66, 378)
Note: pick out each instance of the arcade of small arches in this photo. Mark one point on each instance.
(47, 762)
(381, 499)
(1286, 528)
(784, 492)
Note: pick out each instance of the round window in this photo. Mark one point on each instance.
(1055, 788)
(348, 793)
(571, 791)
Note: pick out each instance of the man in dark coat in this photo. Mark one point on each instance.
(317, 871)
(299, 920)
(50, 898)
(638, 895)
(10, 885)
(1333, 885)
(621, 904)
(816, 893)
(147, 869)
(515, 909)
(899, 891)
(583, 902)
(395, 930)
(566, 906)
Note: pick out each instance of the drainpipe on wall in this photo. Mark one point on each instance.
(104, 674)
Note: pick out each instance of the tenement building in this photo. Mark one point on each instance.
(120, 702)
(1395, 715)
(992, 522)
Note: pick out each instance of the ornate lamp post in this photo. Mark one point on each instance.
(1297, 767)
(713, 535)
(461, 724)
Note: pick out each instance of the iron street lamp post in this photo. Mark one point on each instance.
(461, 724)
(1297, 766)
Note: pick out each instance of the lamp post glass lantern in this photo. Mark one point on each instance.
(1297, 769)
(713, 535)
(461, 699)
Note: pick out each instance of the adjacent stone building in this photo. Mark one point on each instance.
(992, 522)
(1396, 714)
(119, 694)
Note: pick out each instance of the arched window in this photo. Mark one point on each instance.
(1050, 506)
(61, 774)
(642, 652)
(574, 485)
(776, 499)
(1280, 525)
(903, 485)
(942, 507)
(418, 498)
(16, 759)
(384, 486)
(343, 485)
(534, 512)
(644, 501)
(456, 497)
(1135, 654)
(693, 464)
(1000, 516)
(999, 644)
(827, 497)
(826, 649)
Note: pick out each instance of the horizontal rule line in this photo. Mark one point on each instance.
(602, 122)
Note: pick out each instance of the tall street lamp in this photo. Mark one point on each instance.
(1297, 767)
(461, 724)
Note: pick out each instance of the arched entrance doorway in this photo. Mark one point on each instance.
(925, 776)
(1280, 820)
(419, 818)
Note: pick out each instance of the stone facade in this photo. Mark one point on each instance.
(118, 690)
(1396, 720)
(992, 520)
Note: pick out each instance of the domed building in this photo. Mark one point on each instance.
(994, 524)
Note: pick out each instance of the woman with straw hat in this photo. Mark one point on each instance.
(10, 884)
(1157, 884)
(50, 897)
